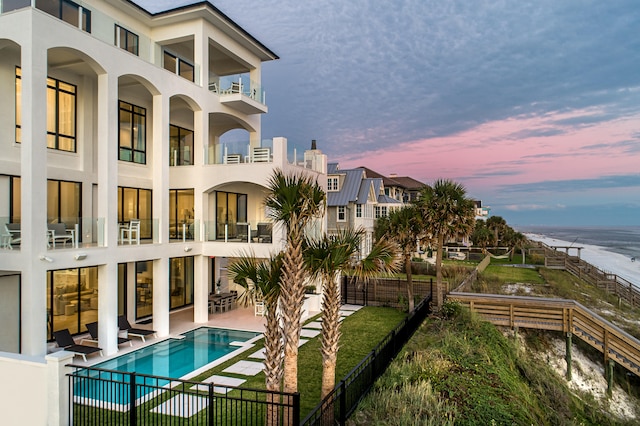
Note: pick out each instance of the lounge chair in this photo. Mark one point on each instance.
(142, 333)
(58, 232)
(93, 332)
(65, 341)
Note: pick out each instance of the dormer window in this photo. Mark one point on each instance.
(332, 184)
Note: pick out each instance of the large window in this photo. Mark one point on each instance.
(132, 137)
(178, 66)
(64, 201)
(61, 113)
(231, 209)
(135, 203)
(181, 281)
(180, 146)
(72, 299)
(67, 11)
(181, 214)
(126, 40)
(144, 289)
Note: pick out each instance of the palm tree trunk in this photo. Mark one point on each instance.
(273, 363)
(439, 289)
(330, 335)
(292, 297)
(407, 267)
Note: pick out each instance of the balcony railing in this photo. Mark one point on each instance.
(68, 232)
(238, 84)
(239, 152)
(239, 232)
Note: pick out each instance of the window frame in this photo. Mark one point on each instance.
(133, 113)
(119, 31)
(341, 215)
(179, 158)
(83, 20)
(333, 183)
(179, 64)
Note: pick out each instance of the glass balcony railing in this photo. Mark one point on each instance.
(238, 83)
(68, 232)
(185, 231)
(239, 152)
(239, 232)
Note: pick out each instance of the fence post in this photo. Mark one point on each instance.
(212, 406)
(132, 400)
(296, 408)
(343, 403)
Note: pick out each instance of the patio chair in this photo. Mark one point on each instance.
(11, 235)
(142, 333)
(259, 309)
(65, 341)
(131, 232)
(264, 232)
(93, 332)
(58, 232)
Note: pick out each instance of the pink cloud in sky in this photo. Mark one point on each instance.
(520, 149)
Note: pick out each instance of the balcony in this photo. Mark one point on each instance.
(67, 233)
(240, 232)
(234, 93)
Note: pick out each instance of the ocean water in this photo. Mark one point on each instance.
(612, 249)
(624, 240)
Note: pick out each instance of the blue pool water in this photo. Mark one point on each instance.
(171, 358)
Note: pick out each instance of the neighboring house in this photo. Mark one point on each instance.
(113, 123)
(401, 188)
(354, 201)
(481, 212)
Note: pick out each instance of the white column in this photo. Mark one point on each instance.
(161, 296)
(58, 388)
(201, 55)
(34, 198)
(107, 134)
(161, 118)
(108, 307)
(201, 289)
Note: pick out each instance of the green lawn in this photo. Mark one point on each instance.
(361, 332)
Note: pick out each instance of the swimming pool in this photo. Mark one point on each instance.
(173, 358)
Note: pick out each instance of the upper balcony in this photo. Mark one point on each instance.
(243, 95)
(233, 72)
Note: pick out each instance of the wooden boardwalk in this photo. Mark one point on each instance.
(567, 316)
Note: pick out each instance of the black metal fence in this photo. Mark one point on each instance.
(344, 399)
(382, 291)
(104, 397)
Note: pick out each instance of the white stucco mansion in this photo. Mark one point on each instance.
(119, 194)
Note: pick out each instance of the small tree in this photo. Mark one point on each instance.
(403, 226)
(446, 212)
(261, 280)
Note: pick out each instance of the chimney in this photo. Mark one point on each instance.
(393, 175)
(313, 144)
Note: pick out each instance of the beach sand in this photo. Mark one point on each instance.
(605, 260)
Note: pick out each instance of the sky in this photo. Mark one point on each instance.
(534, 106)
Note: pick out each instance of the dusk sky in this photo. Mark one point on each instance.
(534, 106)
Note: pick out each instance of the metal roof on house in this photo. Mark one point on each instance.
(385, 199)
(363, 194)
(332, 168)
(350, 188)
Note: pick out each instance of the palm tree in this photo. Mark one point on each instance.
(261, 280)
(403, 226)
(326, 258)
(482, 236)
(293, 201)
(446, 212)
(498, 225)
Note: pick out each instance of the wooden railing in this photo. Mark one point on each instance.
(567, 316)
(611, 283)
